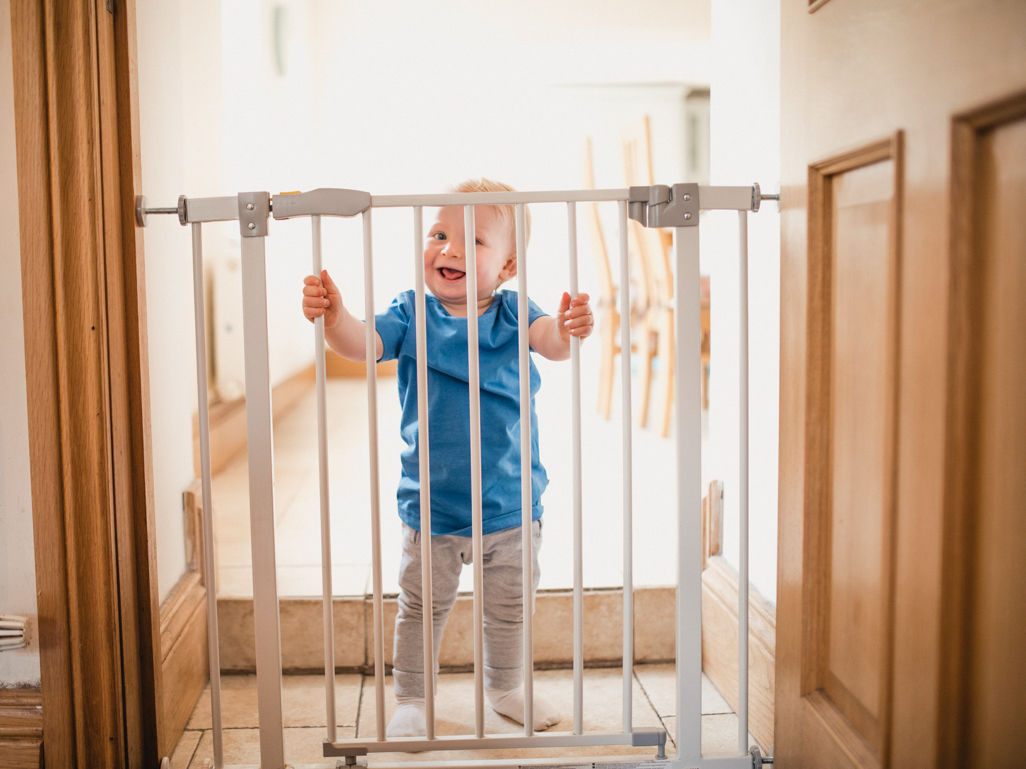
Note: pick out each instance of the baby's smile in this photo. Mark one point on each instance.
(451, 275)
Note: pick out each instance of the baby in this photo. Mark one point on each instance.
(449, 430)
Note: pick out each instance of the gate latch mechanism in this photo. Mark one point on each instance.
(663, 206)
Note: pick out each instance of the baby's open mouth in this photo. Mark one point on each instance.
(448, 273)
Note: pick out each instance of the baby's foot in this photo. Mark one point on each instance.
(510, 703)
(408, 719)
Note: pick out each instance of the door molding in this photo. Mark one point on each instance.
(964, 332)
(815, 674)
(809, 700)
(86, 365)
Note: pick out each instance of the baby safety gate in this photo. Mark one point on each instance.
(656, 206)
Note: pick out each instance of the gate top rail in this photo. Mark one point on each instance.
(327, 201)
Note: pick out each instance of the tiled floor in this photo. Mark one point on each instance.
(653, 705)
(297, 507)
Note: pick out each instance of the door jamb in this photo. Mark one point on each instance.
(76, 114)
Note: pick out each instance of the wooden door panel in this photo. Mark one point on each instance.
(852, 383)
(984, 697)
(860, 442)
(997, 691)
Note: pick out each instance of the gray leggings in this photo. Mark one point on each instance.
(502, 604)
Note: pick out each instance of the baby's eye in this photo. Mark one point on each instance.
(478, 241)
(439, 236)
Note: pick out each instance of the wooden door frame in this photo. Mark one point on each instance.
(76, 115)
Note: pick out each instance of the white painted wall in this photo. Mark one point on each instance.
(17, 556)
(366, 101)
(182, 145)
(413, 96)
(745, 131)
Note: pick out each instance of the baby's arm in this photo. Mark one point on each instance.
(550, 336)
(345, 334)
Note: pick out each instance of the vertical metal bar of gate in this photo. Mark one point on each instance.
(425, 475)
(209, 568)
(372, 430)
(476, 517)
(688, 395)
(575, 396)
(742, 662)
(526, 477)
(322, 466)
(628, 475)
(253, 208)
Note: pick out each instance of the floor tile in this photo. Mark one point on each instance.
(719, 734)
(182, 755)
(302, 697)
(239, 746)
(303, 747)
(660, 684)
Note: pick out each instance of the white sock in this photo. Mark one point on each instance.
(408, 720)
(510, 703)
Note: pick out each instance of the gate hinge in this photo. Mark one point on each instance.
(663, 206)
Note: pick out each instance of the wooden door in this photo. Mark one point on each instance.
(901, 614)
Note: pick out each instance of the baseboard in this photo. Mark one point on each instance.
(228, 420)
(183, 644)
(21, 729)
(337, 366)
(720, 589)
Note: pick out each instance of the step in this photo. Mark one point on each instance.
(302, 647)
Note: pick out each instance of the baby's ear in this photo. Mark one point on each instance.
(509, 269)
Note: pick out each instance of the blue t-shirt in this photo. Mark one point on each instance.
(449, 410)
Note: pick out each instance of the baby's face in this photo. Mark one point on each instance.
(445, 265)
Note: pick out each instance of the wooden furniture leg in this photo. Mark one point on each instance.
(609, 330)
(647, 345)
(666, 364)
(609, 317)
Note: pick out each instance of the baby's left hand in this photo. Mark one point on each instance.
(575, 317)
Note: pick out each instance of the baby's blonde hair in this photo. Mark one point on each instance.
(505, 212)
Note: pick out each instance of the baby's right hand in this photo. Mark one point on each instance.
(321, 297)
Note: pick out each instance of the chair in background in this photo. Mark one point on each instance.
(644, 282)
(654, 251)
(652, 247)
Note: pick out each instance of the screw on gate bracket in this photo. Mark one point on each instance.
(663, 206)
(254, 208)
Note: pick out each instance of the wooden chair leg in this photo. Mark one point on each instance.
(646, 352)
(666, 363)
(608, 327)
(705, 382)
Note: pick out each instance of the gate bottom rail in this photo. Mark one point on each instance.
(640, 737)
